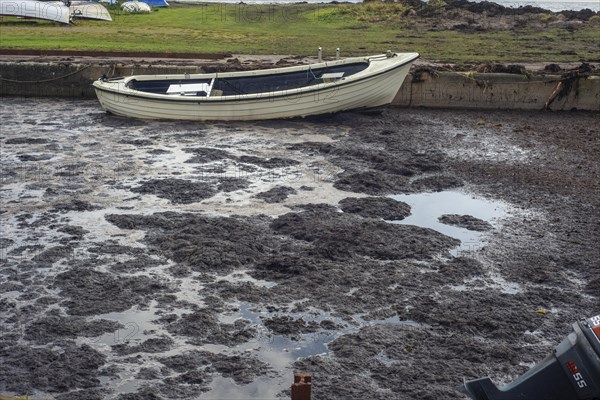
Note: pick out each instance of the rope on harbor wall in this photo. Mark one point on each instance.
(46, 80)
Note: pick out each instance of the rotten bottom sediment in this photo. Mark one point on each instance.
(391, 257)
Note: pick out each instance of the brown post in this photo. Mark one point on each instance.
(301, 388)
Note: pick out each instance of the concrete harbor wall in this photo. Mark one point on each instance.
(421, 89)
(70, 80)
(498, 91)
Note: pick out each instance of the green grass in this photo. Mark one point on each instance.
(297, 29)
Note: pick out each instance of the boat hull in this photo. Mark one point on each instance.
(368, 92)
(136, 7)
(89, 10)
(36, 9)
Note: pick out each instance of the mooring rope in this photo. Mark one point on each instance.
(45, 80)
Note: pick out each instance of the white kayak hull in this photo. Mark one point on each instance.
(374, 87)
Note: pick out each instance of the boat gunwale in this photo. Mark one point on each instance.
(254, 72)
(262, 95)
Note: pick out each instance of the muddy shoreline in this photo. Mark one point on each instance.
(155, 260)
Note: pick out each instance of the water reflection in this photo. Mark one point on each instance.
(426, 208)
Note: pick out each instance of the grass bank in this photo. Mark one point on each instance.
(298, 29)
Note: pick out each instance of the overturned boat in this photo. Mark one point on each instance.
(136, 7)
(358, 83)
(50, 11)
(59, 11)
(89, 10)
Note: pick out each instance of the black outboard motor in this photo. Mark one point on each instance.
(571, 373)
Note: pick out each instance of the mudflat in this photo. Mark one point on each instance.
(391, 256)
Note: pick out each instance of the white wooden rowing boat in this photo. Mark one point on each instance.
(89, 10)
(36, 9)
(351, 84)
(136, 7)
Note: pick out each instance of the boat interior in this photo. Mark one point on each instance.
(232, 86)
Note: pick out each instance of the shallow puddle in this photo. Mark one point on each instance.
(427, 208)
(281, 351)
